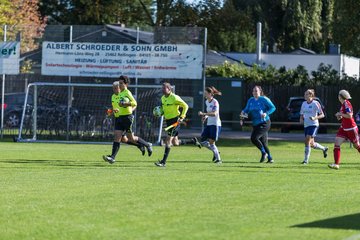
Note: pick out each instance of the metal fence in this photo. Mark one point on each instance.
(31, 56)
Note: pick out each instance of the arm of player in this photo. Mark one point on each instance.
(270, 106)
(246, 109)
(340, 115)
(183, 105)
(115, 107)
(212, 113)
(319, 114)
(301, 119)
(132, 102)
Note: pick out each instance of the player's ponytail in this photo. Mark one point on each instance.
(213, 91)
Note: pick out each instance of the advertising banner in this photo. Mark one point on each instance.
(180, 61)
(9, 57)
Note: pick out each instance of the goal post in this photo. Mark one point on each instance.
(77, 112)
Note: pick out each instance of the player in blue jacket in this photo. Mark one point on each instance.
(259, 109)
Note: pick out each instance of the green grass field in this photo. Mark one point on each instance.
(59, 191)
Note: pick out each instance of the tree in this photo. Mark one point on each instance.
(346, 26)
(86, 12)
(22, 19)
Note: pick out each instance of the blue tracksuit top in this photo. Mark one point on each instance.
(254, 108)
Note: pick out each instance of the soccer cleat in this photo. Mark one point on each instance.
(142, 149)
(325, 152)
(109, 159)
(334, 166)
(160, 164)
(218, 162)
(196, 142)
(304, 162)
(263, 157)
(149, 149)
(270, 161)
(214, 158)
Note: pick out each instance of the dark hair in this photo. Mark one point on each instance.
(125, 79)
(213, 91)
(261, 91)
(167, 85)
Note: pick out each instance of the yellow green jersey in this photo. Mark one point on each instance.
(171, 105)
(123, 96)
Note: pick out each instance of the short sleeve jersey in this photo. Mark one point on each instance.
(311, 109)
(347, 123)
(212, 107)
(115, 100)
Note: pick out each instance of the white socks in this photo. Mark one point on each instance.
(318, 146)
(307, 153)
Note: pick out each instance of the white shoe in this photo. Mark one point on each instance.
(334, 166)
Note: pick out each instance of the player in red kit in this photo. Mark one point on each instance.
(348, 129)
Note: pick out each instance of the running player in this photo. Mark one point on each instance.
(123, 104)
(348, 129)
(259, 108)
(212, 130)
(310, 113)
(173, 117)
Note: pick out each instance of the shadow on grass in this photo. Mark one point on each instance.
(60, 163)
(347, 222)
(247, 143)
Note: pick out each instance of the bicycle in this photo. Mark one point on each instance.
(107, 126)
(145, 126)
(87, 125)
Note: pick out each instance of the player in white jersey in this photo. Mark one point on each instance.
(310, 114)
(212, 130)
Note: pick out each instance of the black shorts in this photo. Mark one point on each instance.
(124, 123)
(172, 132)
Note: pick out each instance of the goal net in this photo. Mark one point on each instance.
(78, 112)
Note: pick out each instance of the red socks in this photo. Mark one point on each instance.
(337, 154)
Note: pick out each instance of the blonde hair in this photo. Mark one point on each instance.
(344, 94)
(311, 92)
(116, 84)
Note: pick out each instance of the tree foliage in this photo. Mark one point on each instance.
(23, 21)
(324, 75)
(87, 12)
(346, 26)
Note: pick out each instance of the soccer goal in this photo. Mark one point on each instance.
(71, 112)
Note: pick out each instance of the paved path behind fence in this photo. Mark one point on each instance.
(226, 134)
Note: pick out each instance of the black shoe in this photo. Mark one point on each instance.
(218, 161)
(142, 149)
(160, 164)
(196, 142)
(325, 152)
(263, 157)
(149, 149)
(270, 161)
(109, 159)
